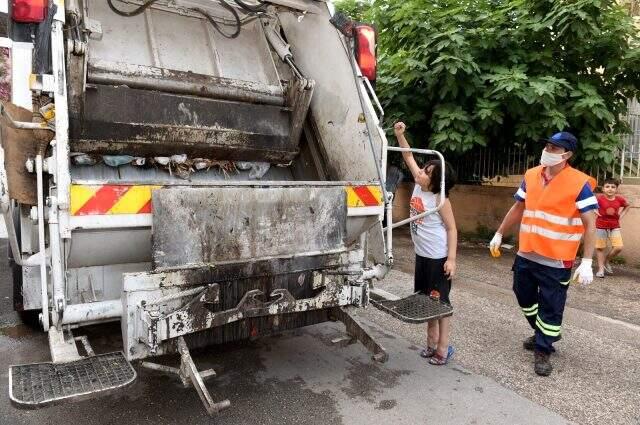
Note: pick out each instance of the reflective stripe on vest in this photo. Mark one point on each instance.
(550, 234)
(556, 219)
(551, 224)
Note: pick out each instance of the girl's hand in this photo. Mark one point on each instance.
(399, 128)
(450, 268)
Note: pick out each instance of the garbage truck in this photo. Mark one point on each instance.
(200, 171)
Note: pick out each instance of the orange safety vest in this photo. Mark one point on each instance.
(551, 224)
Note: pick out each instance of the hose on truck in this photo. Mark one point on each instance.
(260, 7)
(133, 12)
(238, 22)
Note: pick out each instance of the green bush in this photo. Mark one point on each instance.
(494, 73)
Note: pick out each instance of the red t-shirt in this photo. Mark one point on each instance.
(609, 210)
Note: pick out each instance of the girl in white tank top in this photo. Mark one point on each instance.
(429, 233)
(435, 240)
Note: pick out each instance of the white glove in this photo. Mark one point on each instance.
(494, 245)
(584, 272)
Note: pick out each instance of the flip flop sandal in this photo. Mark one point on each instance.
(427, 353)
(438, 360)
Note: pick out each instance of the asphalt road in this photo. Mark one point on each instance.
(298, 377)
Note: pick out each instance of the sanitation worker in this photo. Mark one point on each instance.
(555, 207)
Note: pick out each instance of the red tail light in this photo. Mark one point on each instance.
(29, 10)
(365, 37)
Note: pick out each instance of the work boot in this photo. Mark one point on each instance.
(529, 343)
(542, 364)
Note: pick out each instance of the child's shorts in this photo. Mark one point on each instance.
(429, 278)
(614, 236)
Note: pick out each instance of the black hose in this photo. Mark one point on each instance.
(214, 24)
(208, 17)
(134, 12)
(251, 8)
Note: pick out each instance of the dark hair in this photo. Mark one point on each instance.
(436, 175)
(614, 182)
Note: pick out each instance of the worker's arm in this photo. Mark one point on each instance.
(446, 212)
(513, 217)
(589, 223)
(399, 129)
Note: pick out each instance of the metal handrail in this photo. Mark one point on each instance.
(374, 97)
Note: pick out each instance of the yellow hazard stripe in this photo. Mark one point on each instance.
(80, 195)
(363, 196)
(111, 199)
(133, 201)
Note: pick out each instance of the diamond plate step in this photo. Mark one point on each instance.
(416, 308)
(39, 384)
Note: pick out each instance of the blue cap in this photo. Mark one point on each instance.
(564, 139)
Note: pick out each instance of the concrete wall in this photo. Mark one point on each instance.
(485, 206)
(473, 206)
(630, 225)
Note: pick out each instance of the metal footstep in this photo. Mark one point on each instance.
(39, 384)
(416, 308)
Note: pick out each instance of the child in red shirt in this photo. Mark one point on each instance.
(611, 208)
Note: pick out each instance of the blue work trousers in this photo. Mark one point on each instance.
(541, 292)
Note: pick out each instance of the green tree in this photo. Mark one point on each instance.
(468, 73)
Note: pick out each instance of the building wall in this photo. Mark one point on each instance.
(478, 207)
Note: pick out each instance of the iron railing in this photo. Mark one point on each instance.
(629, 160)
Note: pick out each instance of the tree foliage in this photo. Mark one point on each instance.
(468, 73)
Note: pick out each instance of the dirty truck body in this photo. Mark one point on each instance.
(253, 202)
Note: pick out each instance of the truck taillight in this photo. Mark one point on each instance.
(365, 44)
(33, 11)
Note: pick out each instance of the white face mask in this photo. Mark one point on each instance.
(549, 159)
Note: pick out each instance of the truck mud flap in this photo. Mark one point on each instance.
(416, 308)
(40, 384)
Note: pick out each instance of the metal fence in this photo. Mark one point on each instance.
(630, 153)
(490, 166)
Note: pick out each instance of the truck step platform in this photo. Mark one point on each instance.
(416, 308)
(39, 384)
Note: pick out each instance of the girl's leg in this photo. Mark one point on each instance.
(600, 255)
(444, 326)
(433, 333)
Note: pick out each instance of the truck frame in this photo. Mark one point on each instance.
(201, 171)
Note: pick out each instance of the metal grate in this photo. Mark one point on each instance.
(416, 308)
(38, 384)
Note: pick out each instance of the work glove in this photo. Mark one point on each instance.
(584, 272)
(494, 245)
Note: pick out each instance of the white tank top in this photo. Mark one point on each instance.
(429, 233)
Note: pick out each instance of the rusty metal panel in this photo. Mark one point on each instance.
(180, 82)
(194, 226)
(147, 123)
